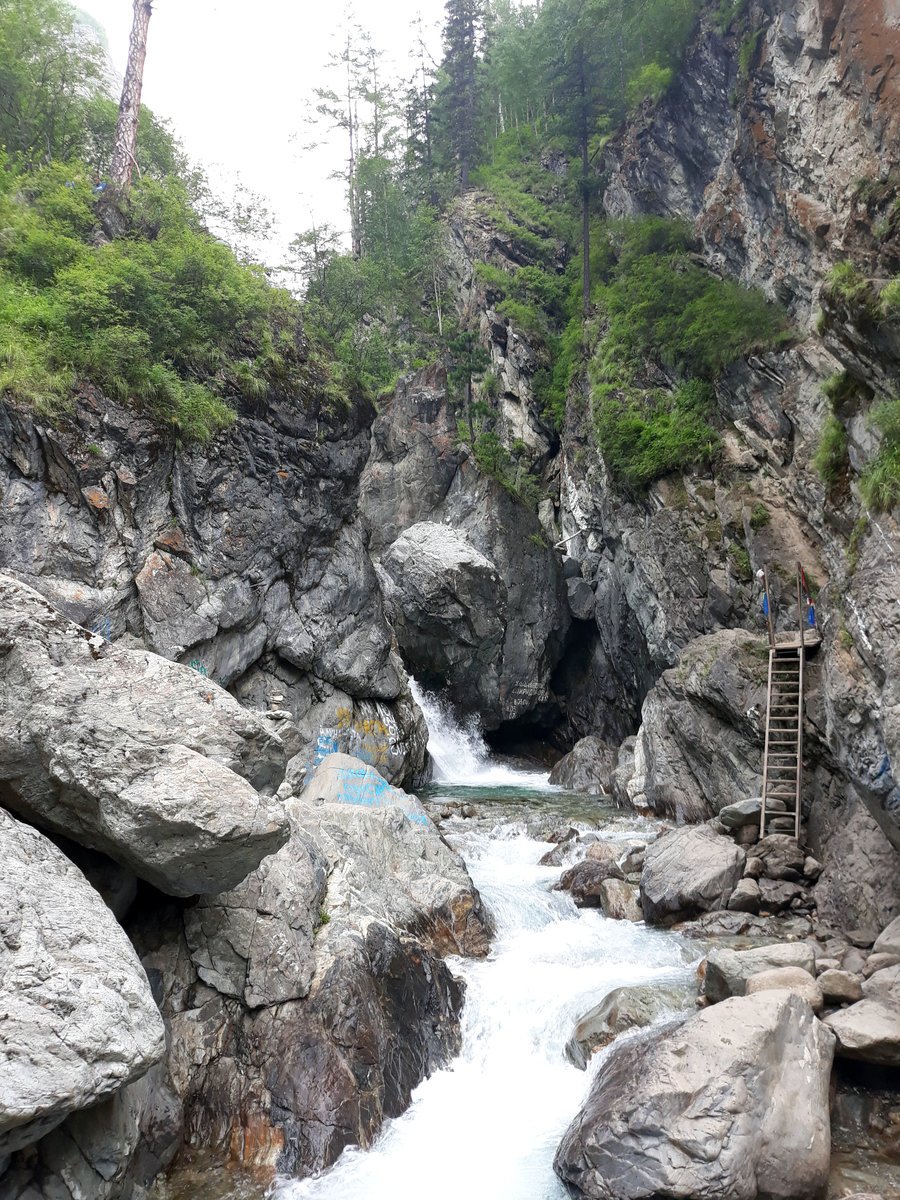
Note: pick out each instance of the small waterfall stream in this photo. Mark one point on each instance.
(488, 1125)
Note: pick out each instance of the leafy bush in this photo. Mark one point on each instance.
(164, 317)
(880, 482)
(830, 459)
(644, 436)
(760, 516)
(650, 82)
(847, 283)
(890, 300)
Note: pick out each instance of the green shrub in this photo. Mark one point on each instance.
(760, 516)
(841, 389)
(890, 301)
(740, 560)
(726, 12)
(846, 282)
(646, 435)
(880, 481)
(650, 82)
(830, 459)
(747, 52)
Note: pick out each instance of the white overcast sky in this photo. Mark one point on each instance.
(234, 77)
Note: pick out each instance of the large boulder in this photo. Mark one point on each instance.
(447, 604)
(78, 1018)
(727, 971)
(888, 941)
(730, 1105)
(622, 1009)
(308, 1002)
(130, 754)
(870, 1029)
(688, 871)
(588, 767)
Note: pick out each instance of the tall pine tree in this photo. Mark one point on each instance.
(459, 105)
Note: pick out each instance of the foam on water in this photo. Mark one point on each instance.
(460, 754)
(489, 1124)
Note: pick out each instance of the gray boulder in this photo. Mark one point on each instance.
(732, 1104)
(79, 1021)
(131, 754)
(359, 850)
(888, 941)
(623, 1009)
(688, 871)
(618, 900)
(790, 979)
(588, 767)
(447, 604)
(744, 812)
(584, 880)
(870, 1029)
(839, 987)
(727, 971)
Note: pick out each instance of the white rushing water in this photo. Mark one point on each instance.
(487, 1127)
(460, 754)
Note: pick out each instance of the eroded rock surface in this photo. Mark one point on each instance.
(128, 753)
(79, 1020)
(732, 1105)
(688, 871)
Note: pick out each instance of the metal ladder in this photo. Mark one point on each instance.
(783, 755)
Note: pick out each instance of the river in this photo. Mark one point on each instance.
(489, 1124)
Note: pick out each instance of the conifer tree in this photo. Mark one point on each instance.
(459, 99)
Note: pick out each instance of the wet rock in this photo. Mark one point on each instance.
(560, 852)
(619, 901)
(587, 768)
(625, 1008)
(600, 850)
(791, 979)
(79, 1020)
(839, 987)
(688, 871)
(738, 924)
(733, 1103)
(130, 754)
(584, 880)
(727, 971)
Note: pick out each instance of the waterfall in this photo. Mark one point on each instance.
(461, 757)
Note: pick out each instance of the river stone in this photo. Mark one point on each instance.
(588, 767)
(79, 1021)
(618, 901)
(839, 987)
(878, 962)
(870, 1029)
(130, 754)
(790, 979)
(585, 879)
(625, 1008)
(732, 1104)
(688, 871)
(744, 812)
(727, 971)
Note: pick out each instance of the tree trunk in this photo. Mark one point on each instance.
(125, 146)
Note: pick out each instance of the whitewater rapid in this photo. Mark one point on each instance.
(487, 1127)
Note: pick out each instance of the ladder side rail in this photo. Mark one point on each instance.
(765, 784)
(799, 796)
(800, 621)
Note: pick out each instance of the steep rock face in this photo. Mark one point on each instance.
(79, 1021)
(770, 182)
(305, 1005)
(125, 752)
(444, 489)
(245, 561)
